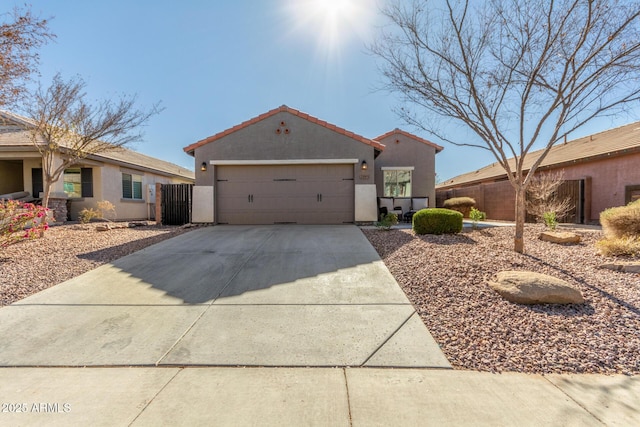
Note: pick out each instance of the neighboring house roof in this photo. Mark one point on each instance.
(190, 149)
(14, 137)
(614, 142)
(397, 131)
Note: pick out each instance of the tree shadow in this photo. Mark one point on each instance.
(584, 283)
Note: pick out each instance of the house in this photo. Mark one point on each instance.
(603, 169)
(286, 166)
(122, 177)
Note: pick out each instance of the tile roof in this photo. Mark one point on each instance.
(189, 149)
(14, 136)
(397, 131)
(614, 142)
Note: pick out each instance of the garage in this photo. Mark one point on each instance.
(285, 194)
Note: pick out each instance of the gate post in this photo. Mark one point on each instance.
(158, 203)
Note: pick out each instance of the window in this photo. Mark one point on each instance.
(78, 182)
(631, 193)
(131, 186)
(397, 182)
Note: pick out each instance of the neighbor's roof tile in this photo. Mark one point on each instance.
(617, 141)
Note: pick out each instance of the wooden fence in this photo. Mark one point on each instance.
(176, 202)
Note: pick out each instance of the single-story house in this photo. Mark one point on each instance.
(286, 166)
(124, 177)
(605, 168)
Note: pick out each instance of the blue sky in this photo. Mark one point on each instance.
(214, 64)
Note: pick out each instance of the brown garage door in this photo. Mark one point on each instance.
(302, 194)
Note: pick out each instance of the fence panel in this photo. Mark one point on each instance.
(176, 203)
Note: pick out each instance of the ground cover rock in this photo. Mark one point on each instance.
(623, 266)
(526, 287)
(561, 237)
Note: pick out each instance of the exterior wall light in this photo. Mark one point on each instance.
(363, 165)
(203, 166)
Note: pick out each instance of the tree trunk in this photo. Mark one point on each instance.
(46, 190)
(521, 213)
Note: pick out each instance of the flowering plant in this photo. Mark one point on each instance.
(19, 221)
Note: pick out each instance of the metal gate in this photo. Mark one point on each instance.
(176, 203)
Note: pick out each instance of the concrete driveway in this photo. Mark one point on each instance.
(227, 296)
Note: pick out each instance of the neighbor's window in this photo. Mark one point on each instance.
(78, 182)
(131, 186)
(397, 183)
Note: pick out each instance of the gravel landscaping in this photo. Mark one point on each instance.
(445, 277)
(67, 251)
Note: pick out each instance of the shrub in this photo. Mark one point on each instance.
(86, 215)
(550, 220)
(622, 221)
(387, 221)
(460, 204)
(107, 210)
(19, 221)
(619, 246)
(437, 221)
(476, 216)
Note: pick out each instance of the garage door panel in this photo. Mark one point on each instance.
(304, 194)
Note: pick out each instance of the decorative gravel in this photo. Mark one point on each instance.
(67, 251)
(445, 277)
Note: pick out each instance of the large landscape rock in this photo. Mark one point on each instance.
(526, 287)
(561, 237)
(623, 266)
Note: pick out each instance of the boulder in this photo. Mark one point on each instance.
(526, 287)
(623, 266)
(561, 237)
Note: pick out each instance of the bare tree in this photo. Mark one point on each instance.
(519, 74)
(543, 197)
(66, 128)
(21, 33)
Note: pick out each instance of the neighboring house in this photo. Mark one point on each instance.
(122, 177)
(286, 166)
(605, 168)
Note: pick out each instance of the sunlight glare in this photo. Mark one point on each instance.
(332, 23)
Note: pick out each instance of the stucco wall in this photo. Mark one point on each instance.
(107, 185)
(609, 177)
(11, 179)
(400, 150)
(284, 136)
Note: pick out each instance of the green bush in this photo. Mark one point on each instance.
(437, 221)
(550, 220)
(460, 204)
(387, 221)
(622, 221)
(476, 216)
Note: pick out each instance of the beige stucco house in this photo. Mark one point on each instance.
(123, 177)
(286, 166)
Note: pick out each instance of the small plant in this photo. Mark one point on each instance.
(437, 221)
(86, 215)
(460, 204)
(105, 209)
(550, 220)
(387, 221)
(476, 216)
(19, 221)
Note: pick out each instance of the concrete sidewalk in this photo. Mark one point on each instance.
(312, 396)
